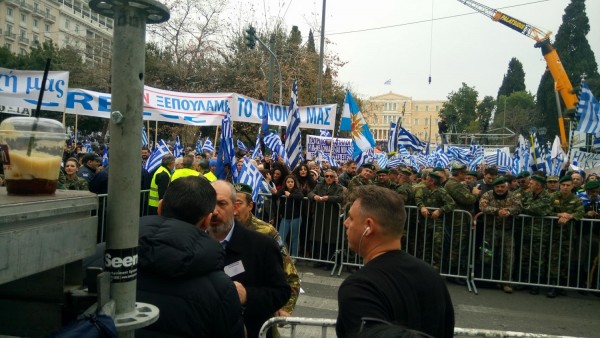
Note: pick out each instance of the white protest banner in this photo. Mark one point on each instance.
(584, 159)
(206, 109)
(341, 147)
(15, 110)
(247, 109)
(21, 88)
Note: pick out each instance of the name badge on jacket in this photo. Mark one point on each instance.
(234, 269)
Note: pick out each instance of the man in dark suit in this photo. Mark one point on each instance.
(252, 260)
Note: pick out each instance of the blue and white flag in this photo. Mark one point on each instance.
(273, 142)
(251, 176)
(588, 111)
(257, 153)
(241, 146)
(323, 157)
(362, 139)
(393, 137)
(88, 146)
(382, 160)
(226, 153)
(325, 132)
(388, 82)
(155, 159)
(503, 160)
(144, 137)
(208, 146)
(408, 140)
(364, 157)
(293, 138)
(199, 144)
(441, 159)
(178, 148)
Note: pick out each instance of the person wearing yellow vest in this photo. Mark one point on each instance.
(188, 163)
(160, 182)
(203, 165)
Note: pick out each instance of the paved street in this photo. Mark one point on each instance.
(571, 315)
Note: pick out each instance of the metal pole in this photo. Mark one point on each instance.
(124, 178)
(271, 67)
(322, 48)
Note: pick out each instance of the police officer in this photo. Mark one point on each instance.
(160, 182)
(186, 170)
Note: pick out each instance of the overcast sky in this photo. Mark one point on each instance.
(460, 46)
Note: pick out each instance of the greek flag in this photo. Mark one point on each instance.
(199, 145)
(155, 159)
(257, 153)
(208, 146)
(105, 156)
(88, 146)
(475, 162)
(388, 82)
(537, 154)
(321, 157)
(293, 138)
(325, 132)
(178, 148)
(409, 140)
(251, 176)
(273, 142)
(241, 145)
(503, 159)
(516, 167)
(144, 137)
(364, 157)
(441, 159)
(393, 139)
(226, 152)
(588, 111)
(382, 160)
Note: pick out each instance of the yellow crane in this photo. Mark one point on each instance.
(542, 38)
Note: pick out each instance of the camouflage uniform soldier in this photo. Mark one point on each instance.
(364, 178)
(383, 179)
(457, 231)
(535, 202)
(404, 187)
(433, 196)
(243, 214)
(567, 207)
(499, 206)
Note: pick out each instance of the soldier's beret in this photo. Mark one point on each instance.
(435, 176)
(406, 171)
(523, 174)
(592, 185)
(499, 180)
(564, 178)
(538, 178)
(243, 188)
(472, 173)
(459, 167)
(383, 171)
(394, 171)
(368, 166)
(438, 169)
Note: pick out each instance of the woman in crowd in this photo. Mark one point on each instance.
(290, 207)
(307, 184)
(278, 175)
(71, 181)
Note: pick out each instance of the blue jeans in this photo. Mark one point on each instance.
(293, 225)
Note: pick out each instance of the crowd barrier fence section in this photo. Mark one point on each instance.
(518, 250)
(318, 324)
(536, 251)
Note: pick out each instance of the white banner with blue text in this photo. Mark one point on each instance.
(341, 151)
(21, 88)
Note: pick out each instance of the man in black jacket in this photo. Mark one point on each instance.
(252, 260)
(180, 267)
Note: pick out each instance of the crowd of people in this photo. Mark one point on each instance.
(234, 250)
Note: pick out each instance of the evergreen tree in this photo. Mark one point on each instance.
(310, 44)
(514, 79)
(577, 58)
(484, 113)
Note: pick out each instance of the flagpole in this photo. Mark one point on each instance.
(156, 132)
(148, 129)
(217, 134)
(533, 148)
(76, 131)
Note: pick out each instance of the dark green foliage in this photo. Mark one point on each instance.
(514, 80)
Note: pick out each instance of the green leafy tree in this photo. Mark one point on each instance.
(514, 79)
(577, 58)
(460, 109)
(515, 112)
(484, 113)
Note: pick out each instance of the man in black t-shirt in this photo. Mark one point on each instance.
(392, 286)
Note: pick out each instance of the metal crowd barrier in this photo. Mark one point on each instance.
(317, 324)
(536, 251)
(519, 250)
